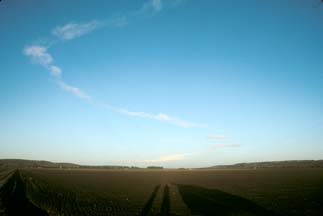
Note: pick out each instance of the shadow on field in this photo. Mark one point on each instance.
(202, 201)
(145, 211)
(166, 202)
(14, 200)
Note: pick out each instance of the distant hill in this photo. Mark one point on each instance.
(272, 164)
(155, 167)
(19, 163)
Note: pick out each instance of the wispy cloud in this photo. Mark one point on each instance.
(183, 156)
(73, 90)
(152, 5)
(168, 158)
(225, 142)
(74, 30)
(39, 55)
(156, 5)
(55, 71)
(225, 145)
(120, 21)
(162, 117)
(218, 138)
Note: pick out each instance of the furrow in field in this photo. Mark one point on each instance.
(14, 200)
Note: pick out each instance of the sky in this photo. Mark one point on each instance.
(174, 83)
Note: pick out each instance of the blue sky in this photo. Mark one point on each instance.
(177, 83)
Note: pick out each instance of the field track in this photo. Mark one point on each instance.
(165, 200)
(148, 206)
(166, 203)
(177, 205)
(13, 198)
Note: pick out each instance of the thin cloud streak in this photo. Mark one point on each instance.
(151, 6)
(39, 55)
(162, 117)
(156, 6)
(73, 90)
(167, 158)
(74, 30)
(218, 138)
(55, 71)
(226, 142)
(225, 145)
(183, 156)
(120, 21)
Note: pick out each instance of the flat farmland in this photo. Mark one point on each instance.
(174, 192)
